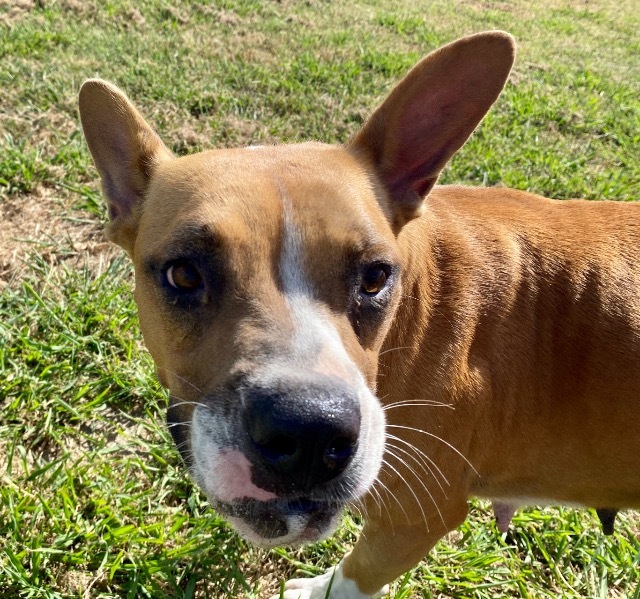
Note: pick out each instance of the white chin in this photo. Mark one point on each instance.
(300, 531)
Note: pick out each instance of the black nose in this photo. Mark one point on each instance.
(302, 437)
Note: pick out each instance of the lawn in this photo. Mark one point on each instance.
(94, 501)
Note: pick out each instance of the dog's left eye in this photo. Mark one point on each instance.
(184, 276)
(374, 279)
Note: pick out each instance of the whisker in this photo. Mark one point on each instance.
(424, 486)
(172, 424)
(412, 492)
(413, 297)
(355, 508)
(418, 402)
(386, 351)
(376, 496)
(184, 380)
(425, 467)
(422, 453)
(419, 430)
(184, 402)
(384, 503)
(186, 454)
(375, 499)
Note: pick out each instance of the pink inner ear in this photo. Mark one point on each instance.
(441, 110)
(426, 135)
(423, 186)
(432, 112)
(120, 198)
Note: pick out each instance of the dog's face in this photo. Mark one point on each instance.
(267, 278)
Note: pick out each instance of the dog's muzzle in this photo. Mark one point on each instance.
(282, 457)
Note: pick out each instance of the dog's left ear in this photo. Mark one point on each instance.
(430, 114)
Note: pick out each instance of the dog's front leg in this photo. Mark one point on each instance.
(383, 552)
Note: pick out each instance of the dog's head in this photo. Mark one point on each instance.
(268, 277)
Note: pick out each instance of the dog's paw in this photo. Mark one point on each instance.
(330, 585)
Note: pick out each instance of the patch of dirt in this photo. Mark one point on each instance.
(77, 582)
(189, 139)
(238, 130)
(270, 569)
(21, 5)
(225, 17)
(44, 128)
(78, 7)
(38, 223)
(136, 17)
(484, 5)
(173, 14)
(13, 10)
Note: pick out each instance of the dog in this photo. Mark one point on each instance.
(334, 329)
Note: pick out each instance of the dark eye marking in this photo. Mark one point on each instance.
(372, 294)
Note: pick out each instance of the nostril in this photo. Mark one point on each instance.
(339, 452)
(277, 448)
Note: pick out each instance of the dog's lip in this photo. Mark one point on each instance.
(281, 506)
(268, 518)
(284, 521)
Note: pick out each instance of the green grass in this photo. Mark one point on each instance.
(94, 501)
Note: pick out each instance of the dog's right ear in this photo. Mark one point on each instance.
(429, 115)
(125, 150)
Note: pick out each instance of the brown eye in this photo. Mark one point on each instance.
(373, 280)
(184, 276)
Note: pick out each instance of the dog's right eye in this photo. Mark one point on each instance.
(184, 276)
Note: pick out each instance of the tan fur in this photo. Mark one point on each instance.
(516, 318)
(522, 314)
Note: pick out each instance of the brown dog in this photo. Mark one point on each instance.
(319, 311)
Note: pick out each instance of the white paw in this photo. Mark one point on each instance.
(309, 588)
(330, 585)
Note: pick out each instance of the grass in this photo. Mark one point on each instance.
(94, 501)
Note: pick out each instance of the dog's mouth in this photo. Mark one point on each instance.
(282, 461)
(282, 521)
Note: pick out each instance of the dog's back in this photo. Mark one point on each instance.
(530, 320)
